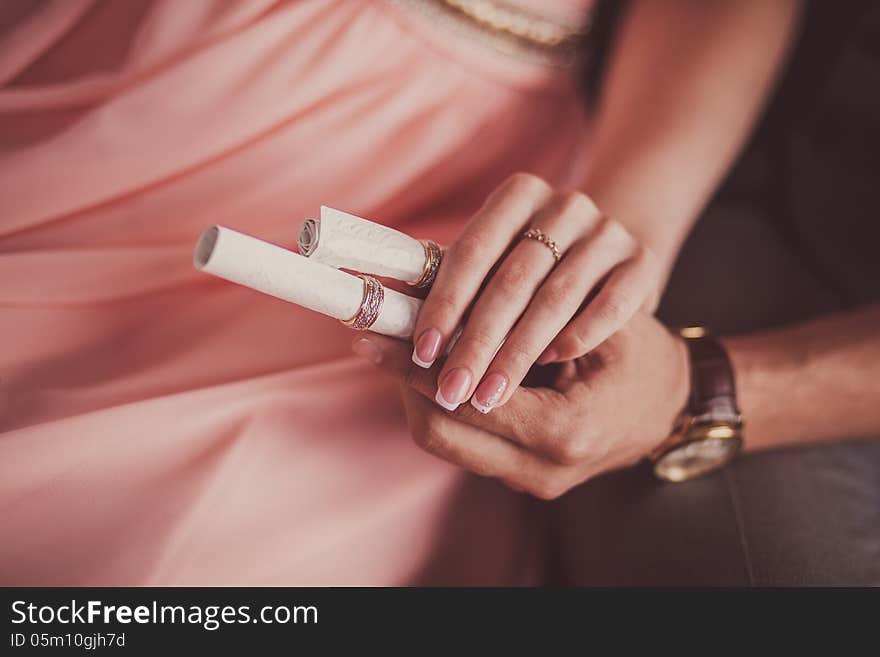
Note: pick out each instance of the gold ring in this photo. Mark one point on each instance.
(535, 234)
(433, 256)
(371, 304)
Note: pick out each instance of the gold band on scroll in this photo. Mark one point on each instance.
(371, 305)
(433, 256)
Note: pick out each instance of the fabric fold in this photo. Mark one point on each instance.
(161, 427)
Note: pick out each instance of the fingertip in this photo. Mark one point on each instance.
(489, 392)
(480, 407)
(426, 348)
(366, 349)
(438, 397)
(549, 355)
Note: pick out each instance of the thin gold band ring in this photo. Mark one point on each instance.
(539, 236)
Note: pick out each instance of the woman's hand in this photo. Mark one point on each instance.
(524, 307)
(599, 412)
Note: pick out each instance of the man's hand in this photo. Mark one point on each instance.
(592, 414)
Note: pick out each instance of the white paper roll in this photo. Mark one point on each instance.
(340, 239)
(286, 275)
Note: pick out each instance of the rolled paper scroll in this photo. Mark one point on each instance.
(286, 275)
(340, 239)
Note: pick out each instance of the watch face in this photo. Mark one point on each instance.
(696, 458)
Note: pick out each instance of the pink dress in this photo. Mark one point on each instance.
(161, 427)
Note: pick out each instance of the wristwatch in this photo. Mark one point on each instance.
(708, 433)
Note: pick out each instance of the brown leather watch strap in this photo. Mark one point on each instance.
(713, 389)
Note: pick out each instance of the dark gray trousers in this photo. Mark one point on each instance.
(808, 516)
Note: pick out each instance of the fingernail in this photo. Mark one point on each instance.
(366, 349)
(548, 356)
(489, 392)
(426, 348)
(453, 388)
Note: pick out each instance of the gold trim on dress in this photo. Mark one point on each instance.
(507, 28)
(504, 19)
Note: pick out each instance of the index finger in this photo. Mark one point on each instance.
(470, 258)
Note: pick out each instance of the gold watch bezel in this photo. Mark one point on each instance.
(692, 431)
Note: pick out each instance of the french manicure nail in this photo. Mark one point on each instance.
(489, 392)
(426, 348)
(453, 388)
(366, 349)
(548, 356)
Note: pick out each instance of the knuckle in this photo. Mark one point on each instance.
(475, 341)
(603, 225)
(518, 356)
(571, 451)
(481, 467)
(569, 424)
(527, 182)
(614, 308)
(443, 304)
(574, 343)
(512, 484)
(431, 438)
(469, 249)
(540, 433)
(647, 259)
(431, 435)
(526, 429)
(546, 490)
(557, 292)
(642, 254)
(514, 276)
(610, 232)
(578, 204)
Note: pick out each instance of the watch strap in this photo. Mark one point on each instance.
(713, 387)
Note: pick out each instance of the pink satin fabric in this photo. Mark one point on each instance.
(163, 427)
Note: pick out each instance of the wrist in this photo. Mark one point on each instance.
(674, 389)
(764, 376)
(708, 431)
(660, 231)
(681, 389)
